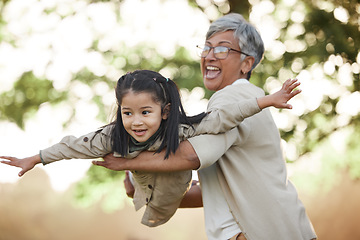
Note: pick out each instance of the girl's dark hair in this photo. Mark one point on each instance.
(164, 91)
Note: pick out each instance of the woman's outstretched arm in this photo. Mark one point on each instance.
(184, 158)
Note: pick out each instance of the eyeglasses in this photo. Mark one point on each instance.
(220, 52)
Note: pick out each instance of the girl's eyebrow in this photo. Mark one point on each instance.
(145, 107)
(126, 108)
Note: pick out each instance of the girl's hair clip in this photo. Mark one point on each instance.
(167, 79)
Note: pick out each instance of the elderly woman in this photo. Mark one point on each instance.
(245, 190)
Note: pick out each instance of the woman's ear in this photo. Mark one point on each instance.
(166, 111)
(247, 64)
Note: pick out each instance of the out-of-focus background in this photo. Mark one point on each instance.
(60, 60)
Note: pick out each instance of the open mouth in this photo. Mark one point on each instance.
(139, 132)
(212, 72)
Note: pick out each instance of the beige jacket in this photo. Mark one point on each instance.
(160, 192)
(252, 172)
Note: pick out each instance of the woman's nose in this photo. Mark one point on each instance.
(211, 54)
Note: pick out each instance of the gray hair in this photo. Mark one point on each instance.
(250, 41)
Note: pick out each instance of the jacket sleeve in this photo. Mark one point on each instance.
(221, 118)
(226, 117)
(210, 147)
(92, 145)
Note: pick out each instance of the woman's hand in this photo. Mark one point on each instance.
(129, 187)
(111, 162)
(25, 164)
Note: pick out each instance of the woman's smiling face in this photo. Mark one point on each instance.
(219, 73)
(141, 115)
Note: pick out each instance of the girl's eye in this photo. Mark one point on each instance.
(127, 113)
(145, 112)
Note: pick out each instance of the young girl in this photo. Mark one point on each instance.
(150, 117)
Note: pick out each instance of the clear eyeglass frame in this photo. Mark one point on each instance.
(220, 52)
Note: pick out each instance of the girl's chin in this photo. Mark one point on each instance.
(141, 140)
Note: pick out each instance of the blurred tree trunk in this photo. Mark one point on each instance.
(242, 7)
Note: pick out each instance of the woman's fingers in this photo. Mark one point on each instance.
(99, 163)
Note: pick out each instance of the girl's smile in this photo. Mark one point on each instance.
(141, 115)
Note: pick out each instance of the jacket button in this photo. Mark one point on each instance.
(86, 139)
(149, 186)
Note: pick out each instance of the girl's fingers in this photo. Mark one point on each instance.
(287, 84)
(288, 106)
(12, 161)
(8, 162)
(296, 92)
(5, 162)
(290, 84)
(21, 173)
(294, 85)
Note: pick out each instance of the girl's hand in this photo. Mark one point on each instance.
(281, 97)
(25, 164)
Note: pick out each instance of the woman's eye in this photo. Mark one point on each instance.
(221, 49)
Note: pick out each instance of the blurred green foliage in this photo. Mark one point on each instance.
(100, 185)
(323, 37)
(24, 99)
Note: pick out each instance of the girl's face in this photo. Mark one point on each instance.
(141, 115)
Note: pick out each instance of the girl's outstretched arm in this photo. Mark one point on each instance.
(223, 117)
(25, 164)
(92, 145)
